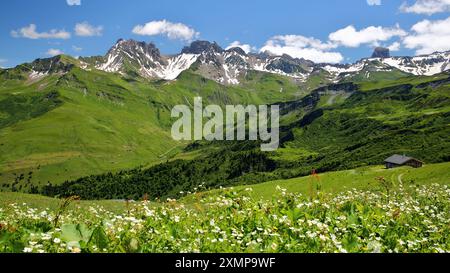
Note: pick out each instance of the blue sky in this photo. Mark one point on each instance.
(321, 30)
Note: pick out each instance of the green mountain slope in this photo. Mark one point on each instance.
(359, 127)
(60, 122)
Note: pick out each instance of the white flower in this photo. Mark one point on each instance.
(76, 250)
(28, 250)
(374, 247)
(57, 240)
(46, 237)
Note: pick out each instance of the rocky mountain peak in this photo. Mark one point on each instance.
(199, 47)
(56, 64)
(135, 48)
(381, 52)
(130, 54)
(237, 50)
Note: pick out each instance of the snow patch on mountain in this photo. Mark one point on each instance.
(169, 68)
(427, 65)
(229, 66)
(176, 65)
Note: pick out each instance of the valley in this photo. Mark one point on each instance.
(99, 127)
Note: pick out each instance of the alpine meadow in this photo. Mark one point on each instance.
(359, 147)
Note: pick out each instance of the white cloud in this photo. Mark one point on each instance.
(395, 46)
(374, 2)
(246, 47)
(427, 7)
(31, 33)
(74, 2)
(302, 41)
(76, 48)
(350, 37)
(299, 46)
(429, 36)
(86, 30)
(318, 51)
(53, 52)
(169, 29)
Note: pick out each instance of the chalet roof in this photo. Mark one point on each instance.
(398, 159)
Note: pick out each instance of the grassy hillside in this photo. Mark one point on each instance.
(365, 178)
(371, 125)
(76, 122)
(402, 217)
(97, 116)
(356, 128)
(52, 204)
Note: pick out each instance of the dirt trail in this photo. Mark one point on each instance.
(400, 178)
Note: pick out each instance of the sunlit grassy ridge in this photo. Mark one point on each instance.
(364, 178)
(42, 202)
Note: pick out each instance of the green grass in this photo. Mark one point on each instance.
(382, 83)
(376, 77)
(331, 182)
(361, 179)
(42, 202)
(364, 178)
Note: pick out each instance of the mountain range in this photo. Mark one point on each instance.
(229, 67)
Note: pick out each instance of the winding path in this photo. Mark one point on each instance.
(400, 176)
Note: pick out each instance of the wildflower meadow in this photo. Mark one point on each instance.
(405, 219)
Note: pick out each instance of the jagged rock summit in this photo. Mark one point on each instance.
(381, 52)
